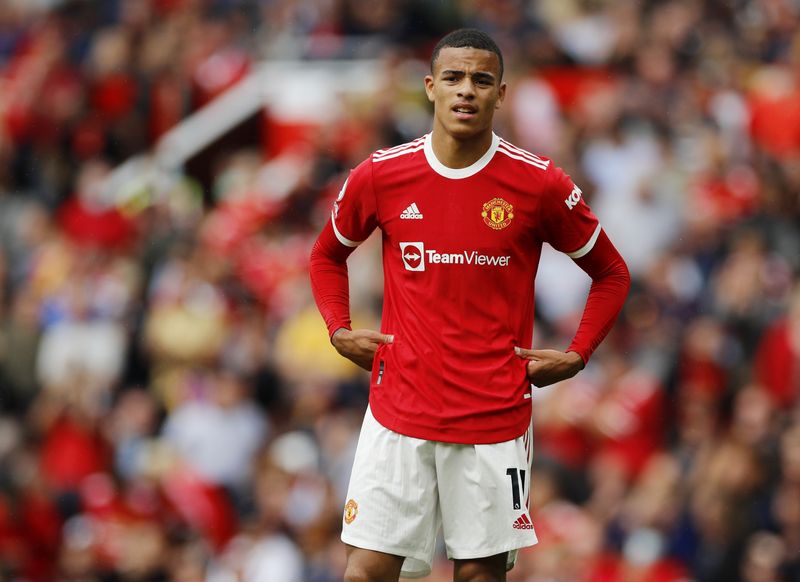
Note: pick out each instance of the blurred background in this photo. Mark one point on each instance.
(171, 408)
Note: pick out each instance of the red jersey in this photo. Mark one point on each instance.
(460, 252)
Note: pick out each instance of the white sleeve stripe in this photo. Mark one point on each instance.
(343, 239)
(584, 250)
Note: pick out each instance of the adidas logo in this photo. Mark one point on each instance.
(523, 522)
(412, 212)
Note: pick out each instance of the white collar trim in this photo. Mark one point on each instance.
(459, 173)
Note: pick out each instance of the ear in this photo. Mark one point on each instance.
(501, 94)
(429, 87)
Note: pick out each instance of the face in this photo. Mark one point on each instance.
(465, 89)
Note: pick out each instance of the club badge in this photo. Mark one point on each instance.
(350, 511)
(497, 213)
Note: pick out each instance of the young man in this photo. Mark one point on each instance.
(446, 438)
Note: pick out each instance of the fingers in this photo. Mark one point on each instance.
(527, 354)
(360, 345)
(547, 367)
(374, 336)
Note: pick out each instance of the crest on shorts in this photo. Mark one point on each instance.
(350, 511)
(497, 213)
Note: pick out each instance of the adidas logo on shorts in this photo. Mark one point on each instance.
(412, 212)
(523, 522)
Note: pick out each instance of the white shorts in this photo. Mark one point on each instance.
(403, 490)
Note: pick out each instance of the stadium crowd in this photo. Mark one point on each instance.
(171, 406)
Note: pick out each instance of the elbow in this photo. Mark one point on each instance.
(314, 258)
(615, 277)
(327, 250)
(625, 277)
(319, 260)
(622, 277)
(316, 253)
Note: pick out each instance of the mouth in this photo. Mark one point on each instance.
(464, 111)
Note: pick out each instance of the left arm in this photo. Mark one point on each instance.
(610, 284)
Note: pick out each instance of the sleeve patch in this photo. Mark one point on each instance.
(572, 200)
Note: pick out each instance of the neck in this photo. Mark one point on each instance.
(457, 153)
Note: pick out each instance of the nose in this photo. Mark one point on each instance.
(466, 89)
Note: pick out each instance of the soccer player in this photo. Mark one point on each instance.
(446, 439)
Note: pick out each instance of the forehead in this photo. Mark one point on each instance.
(467, 59)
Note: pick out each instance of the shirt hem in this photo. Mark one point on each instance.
(461, 437)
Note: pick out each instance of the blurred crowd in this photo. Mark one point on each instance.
(170, 406)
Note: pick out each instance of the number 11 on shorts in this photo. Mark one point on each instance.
(517, 486)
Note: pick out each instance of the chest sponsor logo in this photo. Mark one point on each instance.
(497, 213)
(413, 254)
(415, 257)
(572, 200)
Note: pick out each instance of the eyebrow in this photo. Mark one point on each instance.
(477, 75)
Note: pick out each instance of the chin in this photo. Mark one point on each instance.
(464, 132)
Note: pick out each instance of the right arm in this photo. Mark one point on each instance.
(355, 214)
(330, 284)
(329, 280)
(570, 227)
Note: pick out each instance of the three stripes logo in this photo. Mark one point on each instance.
(523, 522)
(411, 213)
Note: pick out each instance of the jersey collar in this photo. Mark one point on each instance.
(459, 173)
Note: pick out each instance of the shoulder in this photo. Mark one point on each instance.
(540, 169)
(399, 155)
(388, 165)
(524, 159)
(384, 165)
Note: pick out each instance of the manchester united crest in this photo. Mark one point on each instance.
(350, 511)
(497, 213)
